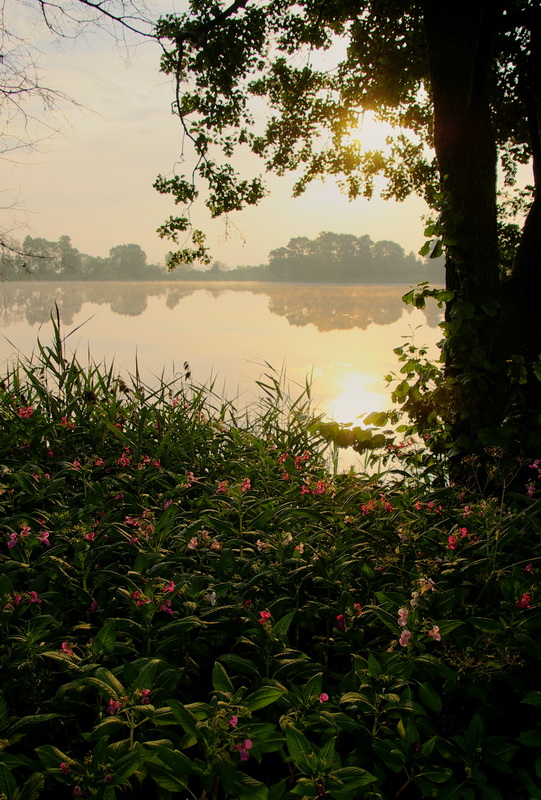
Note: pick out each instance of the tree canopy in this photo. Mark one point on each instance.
(460, 82)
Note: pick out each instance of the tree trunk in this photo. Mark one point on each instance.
(459, 36)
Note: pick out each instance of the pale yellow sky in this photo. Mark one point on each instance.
(93, 180)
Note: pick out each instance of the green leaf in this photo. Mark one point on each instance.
(353, 778)
(31, 788)
(220, 680)
(475, 732)
(486, 625)
(530, 738)
(262, 697)
(127, 765)
(248, 788)
(242, 665)
(51, 756)
(184, 717)
(377, 418)
(437, 774)
(281, 627)
(107, 683)
(451, 792)
(301, 752)
(106, 727)
(173, 782)
(104, 640)
(3, 712)
(8, 787)
(429, 697)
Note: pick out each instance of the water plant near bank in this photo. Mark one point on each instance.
(195, 606)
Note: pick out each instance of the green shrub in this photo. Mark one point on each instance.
(196, 606)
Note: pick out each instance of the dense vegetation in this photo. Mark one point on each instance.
(331, 258)
(195, 605)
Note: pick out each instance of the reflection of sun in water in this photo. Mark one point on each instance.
(356, 398)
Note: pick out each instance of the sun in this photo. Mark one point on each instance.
(357, 398)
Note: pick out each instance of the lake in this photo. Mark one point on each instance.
(343, 336)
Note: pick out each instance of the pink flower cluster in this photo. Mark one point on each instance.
(24, 412)
(204, 540)
(524, 601)
(374, 505)
(143, 526)
(430, 506)
(264, 617)
(243, 749)
(321, 487)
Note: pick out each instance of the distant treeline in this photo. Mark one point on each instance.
(330, 258)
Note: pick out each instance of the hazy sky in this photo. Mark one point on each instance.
(93, 180)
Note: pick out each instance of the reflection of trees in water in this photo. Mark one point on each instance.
(342, 307)
(326, 307)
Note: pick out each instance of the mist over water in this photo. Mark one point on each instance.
(341, 336)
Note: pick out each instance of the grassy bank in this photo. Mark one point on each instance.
(194, 606)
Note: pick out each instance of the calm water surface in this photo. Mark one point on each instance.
(341, 335)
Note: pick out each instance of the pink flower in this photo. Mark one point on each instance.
(451, 542)
(435, 633)
(145, 699)
(222, 487)
(403, 616)
(192, 544)
(25, 411)
(418, 505)
(463, 532)
(13, 539)
(167, 504)
(323, 697)
(90, 536)
(166, 607)
(405, 636)
(215, 546)
(341, 622)
(64, 768)
(66, 649)
(93, 607)
(44, 538)
(467, 511)
(243, 749)
(77, 792)
(530, 490)
(264, 617)
(170, 587)
(524, 601)
(246, 485)
(529, 568)
(99, 462)
(33, 598)
(358, 608)
(76, 465)
(233, 721)
(114, 706)
(66, 423)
